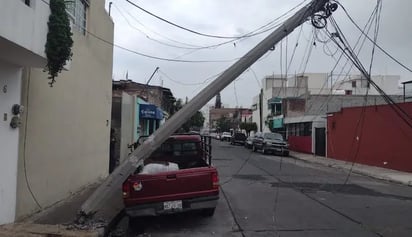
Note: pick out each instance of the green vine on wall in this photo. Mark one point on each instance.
(59, 40)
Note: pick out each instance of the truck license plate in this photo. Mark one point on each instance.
(172, 205)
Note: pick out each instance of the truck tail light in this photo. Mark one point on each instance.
(126, 189)
(215, 180)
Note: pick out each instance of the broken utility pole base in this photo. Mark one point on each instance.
(112, 185)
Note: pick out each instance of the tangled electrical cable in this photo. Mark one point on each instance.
(319, 19)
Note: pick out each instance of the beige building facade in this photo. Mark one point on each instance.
(65, 129)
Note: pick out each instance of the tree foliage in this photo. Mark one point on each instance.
(59, 43)
(248, 127)
(223, 124)
(194, 123)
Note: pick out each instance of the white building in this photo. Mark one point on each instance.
(358, 85)
(23, 32)
(61, 142)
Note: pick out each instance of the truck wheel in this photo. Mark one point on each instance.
(254, 148)
(208, 212)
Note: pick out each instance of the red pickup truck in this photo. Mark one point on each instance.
(177, 177)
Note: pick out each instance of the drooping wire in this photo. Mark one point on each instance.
(294, 49)
(147, 36)
(375, 39)
(159, 34)
(179, 82)
(210, 35)
(346, 48)
(178, 26)
(349, 52)
(371, 40)
(155, 57)
(367, 27)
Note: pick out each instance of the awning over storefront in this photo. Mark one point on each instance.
(277, 123)
(159, 114)
(149, 111)
(275, 100)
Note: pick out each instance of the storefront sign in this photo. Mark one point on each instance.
(148, 111)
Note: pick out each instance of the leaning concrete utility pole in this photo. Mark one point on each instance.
(112, 184)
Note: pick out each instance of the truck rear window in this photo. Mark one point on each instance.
(177, 149)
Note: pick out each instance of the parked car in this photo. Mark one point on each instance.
(249, 142)
(238, 138)
(270, 142)
(226, 136)
(215, 135)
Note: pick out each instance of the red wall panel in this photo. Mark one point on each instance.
(300, 143)
(373, 135)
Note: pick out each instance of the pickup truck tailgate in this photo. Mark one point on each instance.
(166, 186)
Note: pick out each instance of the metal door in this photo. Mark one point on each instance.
(320, 142)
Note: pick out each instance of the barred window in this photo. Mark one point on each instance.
(77, 10)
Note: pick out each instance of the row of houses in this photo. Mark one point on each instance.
(306, 109)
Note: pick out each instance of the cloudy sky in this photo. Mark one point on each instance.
(143, 33)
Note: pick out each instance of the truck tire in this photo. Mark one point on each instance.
(254, 148)
(209, 212)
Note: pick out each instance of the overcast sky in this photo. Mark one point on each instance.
(138, 31)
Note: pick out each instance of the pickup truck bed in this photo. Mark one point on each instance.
(195, 186)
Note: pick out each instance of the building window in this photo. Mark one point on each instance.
(307, 130)
(365, 83)
(254, 107)
(27, 2)
(77, 10)
(353, 84)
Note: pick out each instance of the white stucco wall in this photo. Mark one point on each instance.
(10, 86)
(68, 125)
(127, 124)
(388, 83)
(23, 31)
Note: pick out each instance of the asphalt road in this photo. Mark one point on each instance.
(268, 195)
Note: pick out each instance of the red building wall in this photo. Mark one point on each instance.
(300, 143)
(381, 138)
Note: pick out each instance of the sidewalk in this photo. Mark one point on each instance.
(59, 220)
(371, 171)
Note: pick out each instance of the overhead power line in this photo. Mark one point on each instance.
(155, 57)
(178, 26)
(345, 47)
(371, 40)
(252, 33)
(147, 36)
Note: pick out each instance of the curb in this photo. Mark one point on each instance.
(40, 230)
(356, 171)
